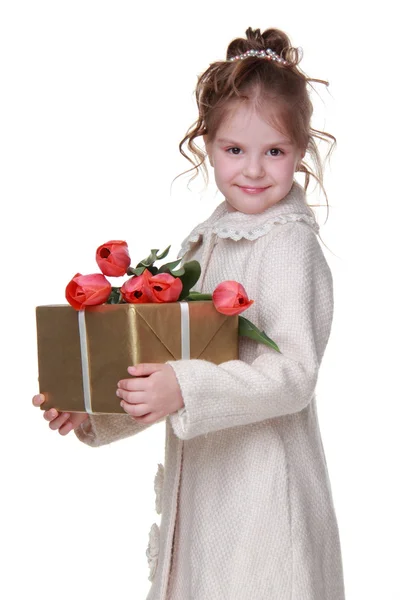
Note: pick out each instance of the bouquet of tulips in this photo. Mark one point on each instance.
(148, 283)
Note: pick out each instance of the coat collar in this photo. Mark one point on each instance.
(236, 225)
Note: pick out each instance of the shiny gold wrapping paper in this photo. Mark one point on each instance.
(118, 336)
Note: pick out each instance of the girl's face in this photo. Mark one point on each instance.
(253, 162)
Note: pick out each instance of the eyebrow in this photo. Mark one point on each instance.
(276, 143)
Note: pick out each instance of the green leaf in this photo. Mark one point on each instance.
(137, 271)
(169, 266)
(189, 275)
(248, 329)
(148, 262)
(163, 254)
(115, 296)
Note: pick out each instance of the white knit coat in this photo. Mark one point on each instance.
(245, 496)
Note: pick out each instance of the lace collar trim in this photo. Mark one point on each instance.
(236, 225)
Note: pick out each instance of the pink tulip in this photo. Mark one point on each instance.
(230, 298)
(113, 258)
(87, 290)
(165, 287)
(137, 290)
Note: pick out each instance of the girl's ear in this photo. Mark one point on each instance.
(208, 149)
(299, 162)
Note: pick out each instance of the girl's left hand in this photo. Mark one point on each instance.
(151, 394)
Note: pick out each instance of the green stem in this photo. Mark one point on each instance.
(198, 296)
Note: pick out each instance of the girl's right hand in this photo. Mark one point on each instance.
(63, 421)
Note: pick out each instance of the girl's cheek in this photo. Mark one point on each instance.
(286, 167)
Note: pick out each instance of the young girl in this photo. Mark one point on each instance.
(247, 510)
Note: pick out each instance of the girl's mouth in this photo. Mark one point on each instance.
(252, 190)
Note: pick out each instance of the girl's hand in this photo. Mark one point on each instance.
(152, 393)
(63, 421)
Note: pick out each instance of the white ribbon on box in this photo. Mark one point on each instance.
(185, 350)
(85, 361)
(185, 330)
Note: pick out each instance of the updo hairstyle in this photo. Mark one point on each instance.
(258, 80)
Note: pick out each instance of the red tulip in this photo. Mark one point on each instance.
(166, 287)
(113, 258)
(87, 290)
(137, 289)
(230, 298)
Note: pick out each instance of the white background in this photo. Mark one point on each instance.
(95, 97)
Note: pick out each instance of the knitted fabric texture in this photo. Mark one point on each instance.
(247, 509)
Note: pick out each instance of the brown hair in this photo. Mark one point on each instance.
(255, 79)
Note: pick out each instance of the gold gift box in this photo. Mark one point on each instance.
(118, 336)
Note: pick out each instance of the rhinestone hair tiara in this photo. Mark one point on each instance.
(268, 54)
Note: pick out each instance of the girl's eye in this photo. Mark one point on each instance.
(275, 152)
(234, 150)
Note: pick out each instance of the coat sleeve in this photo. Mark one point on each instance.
(98, 430)
(294, 306)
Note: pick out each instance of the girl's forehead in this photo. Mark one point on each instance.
(244, 117)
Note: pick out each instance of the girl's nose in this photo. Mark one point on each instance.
(254, 168)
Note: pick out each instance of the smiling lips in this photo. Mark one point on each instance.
(252, 190)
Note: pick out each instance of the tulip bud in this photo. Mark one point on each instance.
(113, 258)
(230, 298)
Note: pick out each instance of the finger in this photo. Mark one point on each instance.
(66, 428)
(132, 397)
(60, 420)
(73, 422)
(144, 369)
(132, 385)
(38, 400)
(135, 410)
(51, 414)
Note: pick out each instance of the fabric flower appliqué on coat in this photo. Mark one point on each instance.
(158, 487)
(153, 549)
